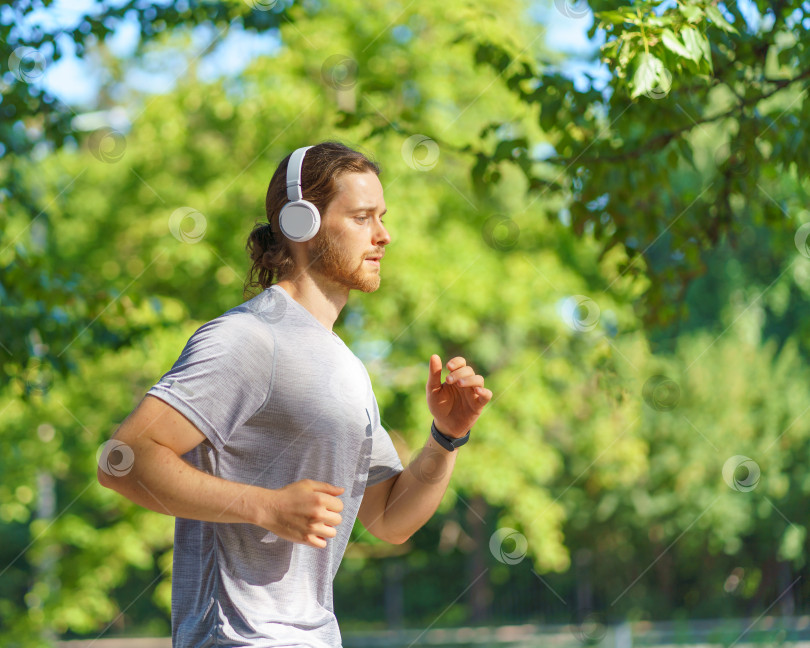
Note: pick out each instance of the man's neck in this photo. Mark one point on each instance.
(324, 301)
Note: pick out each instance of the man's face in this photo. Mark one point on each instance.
(351, 231)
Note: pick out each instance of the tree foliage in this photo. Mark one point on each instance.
(633, 298)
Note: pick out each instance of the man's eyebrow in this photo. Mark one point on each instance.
(369, 208)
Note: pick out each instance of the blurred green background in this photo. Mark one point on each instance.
(602, 207)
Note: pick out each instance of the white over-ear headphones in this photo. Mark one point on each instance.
(299, 219)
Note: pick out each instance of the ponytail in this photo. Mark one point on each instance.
(270, 259)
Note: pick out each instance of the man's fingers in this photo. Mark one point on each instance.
(333, 519)
(324, 530)
(456, 363)
(483, 394)
(470, 381)
(463, 372)
(434, 372)
(325, 487)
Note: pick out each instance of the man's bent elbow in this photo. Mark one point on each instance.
(106, 479)
(399, 540)
(112, 481)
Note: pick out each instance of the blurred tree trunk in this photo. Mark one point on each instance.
(480, 592)
(394, 605)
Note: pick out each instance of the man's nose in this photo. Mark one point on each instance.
(381, 235)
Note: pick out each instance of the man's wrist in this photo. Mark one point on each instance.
(447, 442)
(257, 505)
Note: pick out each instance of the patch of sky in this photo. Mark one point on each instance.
(77, 81)
(566, 25)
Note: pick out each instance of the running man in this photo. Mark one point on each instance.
(264, 439)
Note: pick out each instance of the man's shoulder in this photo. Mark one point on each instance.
(239, 325)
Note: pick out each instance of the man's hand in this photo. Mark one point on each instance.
(155, 436)
(457, 403)
(305, 511)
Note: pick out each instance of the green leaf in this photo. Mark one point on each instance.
(613, 17)
(718, 20)
(686, 151)
(647, 74)
(706, 49)
(691, 38)
(674, 45)
(691, 12)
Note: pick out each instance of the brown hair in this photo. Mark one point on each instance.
(267, 247)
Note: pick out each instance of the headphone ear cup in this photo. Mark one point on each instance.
(299, 220)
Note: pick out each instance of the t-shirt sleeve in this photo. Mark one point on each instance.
(222, 377)
(385, 461)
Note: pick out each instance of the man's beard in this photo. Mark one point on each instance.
(329, 259)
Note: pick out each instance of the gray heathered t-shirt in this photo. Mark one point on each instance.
(279, 398)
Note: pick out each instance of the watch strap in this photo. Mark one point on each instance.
(448, 443)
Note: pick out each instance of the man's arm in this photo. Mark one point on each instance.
(395, 509)
(159, 479)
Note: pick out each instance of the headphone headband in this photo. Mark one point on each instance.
(294, 174)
